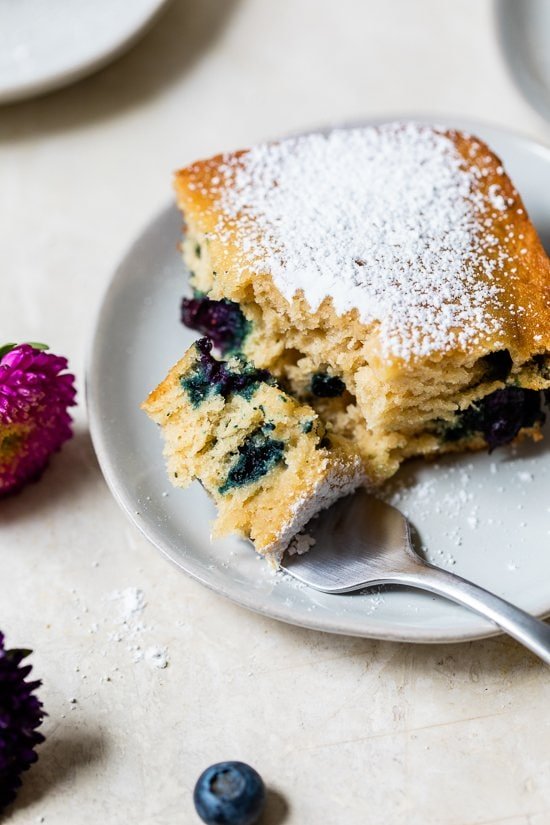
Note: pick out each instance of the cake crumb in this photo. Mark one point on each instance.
(300, 544)
(157, 657)
(525, 477)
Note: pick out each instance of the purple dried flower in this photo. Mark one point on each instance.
(20, 714)
(35, 393)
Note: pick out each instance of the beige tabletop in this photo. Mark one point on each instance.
(148, 677)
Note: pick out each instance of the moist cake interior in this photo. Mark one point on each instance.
(265, 458)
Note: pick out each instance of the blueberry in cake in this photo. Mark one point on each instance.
(222, 321)
(265, 458)
(388, 276)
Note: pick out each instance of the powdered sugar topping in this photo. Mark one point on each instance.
(389, 221)
(340, 479)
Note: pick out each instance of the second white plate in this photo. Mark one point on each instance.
(44, 45)
(485, 517)
(524, 30)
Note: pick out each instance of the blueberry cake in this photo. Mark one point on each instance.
(264, 457)
(388, 277)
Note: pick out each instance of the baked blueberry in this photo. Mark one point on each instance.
(211, 376)
(229, 793)
(324, 385)
(258, 454)
(498, 417)
(222, 321)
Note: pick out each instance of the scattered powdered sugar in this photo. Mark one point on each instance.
(525, 477)
(154, 656)
(496, 198)
(300, 544)
(121, 626)
(375, 599)
(388, 220)
(340, 480)
(157, 657)
(475, 515)
(473, 521)
(132, 601)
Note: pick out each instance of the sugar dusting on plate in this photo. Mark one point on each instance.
(472, 503)
(386, 220)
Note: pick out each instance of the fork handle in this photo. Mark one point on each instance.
(532, 633)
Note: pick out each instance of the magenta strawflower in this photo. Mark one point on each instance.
(35, 393)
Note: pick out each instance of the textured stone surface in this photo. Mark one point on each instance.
(342, 730)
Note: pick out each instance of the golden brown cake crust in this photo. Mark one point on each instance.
(522, 311)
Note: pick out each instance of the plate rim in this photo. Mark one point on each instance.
(117, 485)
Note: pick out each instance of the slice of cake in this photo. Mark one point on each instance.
(389, 275)
(265, 458)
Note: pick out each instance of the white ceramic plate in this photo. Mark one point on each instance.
(44, 45)
(485, 517)
(524, 30)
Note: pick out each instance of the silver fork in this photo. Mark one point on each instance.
(362, 541)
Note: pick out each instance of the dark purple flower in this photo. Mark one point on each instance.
(35, 392)
(20, 715)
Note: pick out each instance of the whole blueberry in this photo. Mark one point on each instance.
(229, 793)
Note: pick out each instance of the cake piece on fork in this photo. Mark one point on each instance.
(265, 458)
